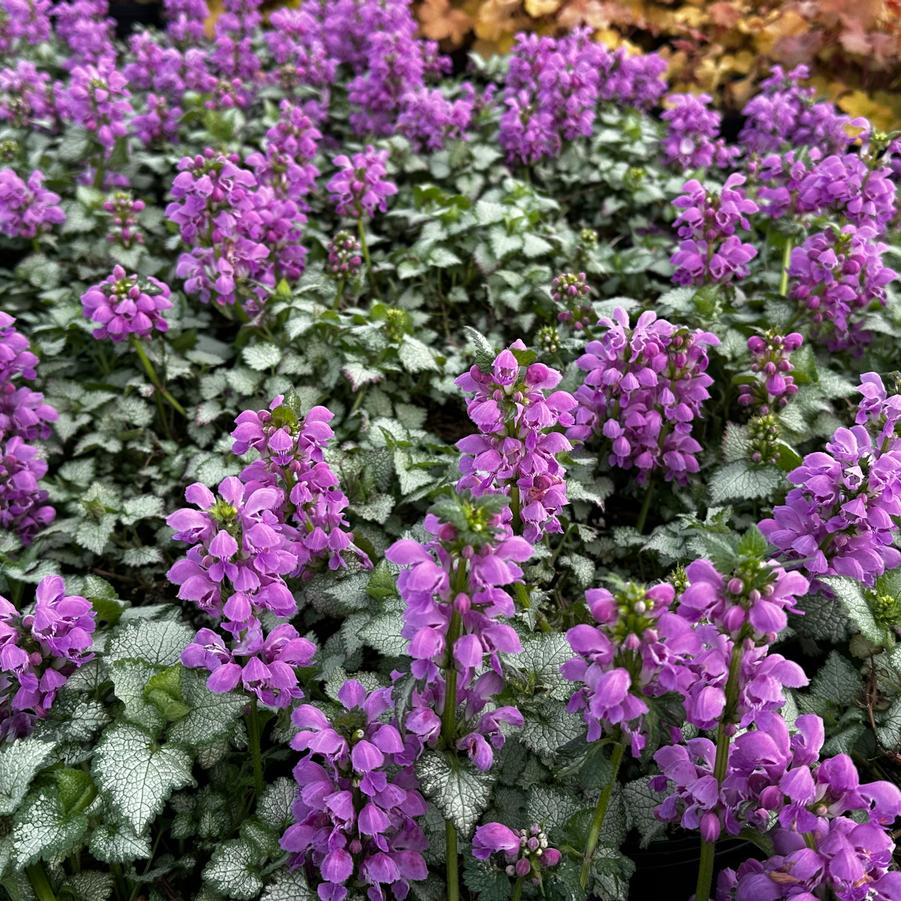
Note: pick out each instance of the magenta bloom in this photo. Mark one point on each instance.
(691, 141)
(771, 364)
(39, 651)
(124, 305)
(524, 853)
(359, 187)
(96, 97)
(27, 209)
(357, 805)
(643, 389)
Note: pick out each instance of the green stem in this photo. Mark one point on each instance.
(365, 248)
(154, 378)
(253, 735)
(453, 877)
(597, 822)
(515, 510)
(645, 507)
(39, 883)
(786, 261)
(449, 721)
(523, 598)
(517, 890)
(723, 739)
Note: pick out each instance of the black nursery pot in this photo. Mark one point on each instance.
(672, 864)
(131, 14)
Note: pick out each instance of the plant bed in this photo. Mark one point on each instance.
(433, 482)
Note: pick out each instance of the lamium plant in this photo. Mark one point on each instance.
(439, 478)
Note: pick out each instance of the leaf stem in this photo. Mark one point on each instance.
(517, 890)
(453, 877)
(515, 509)
(600, 811)
(39, 883)
(253, 736)
(365, 248)
(786, 262)
(645, 507)
(154, 378)
(723, 739)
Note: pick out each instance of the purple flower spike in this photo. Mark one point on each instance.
(124, 305)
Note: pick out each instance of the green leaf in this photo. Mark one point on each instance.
(753, 544)
(136, 775)
(744, 481)
(260, 357)
(76, 790)
(289, 885)
(89, 885)
(130, 678)
(489, 213)
(210, 716)
(458, 790)
(533, 246)
(888, 730)
(156, 643)
(42, 831)
(274, 806)
(640, 802)
(233, 870)
(118, 843)
(548, 727)
(19, 762)
(838, 682)
(415, 356)
(850, 594)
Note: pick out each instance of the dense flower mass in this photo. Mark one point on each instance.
(692, 129)
(520, 421)
(774, 386)
(27, 208)
(356, 812)
(709, 248)
(643, 389)
(124, 305)
(524, 853)
(360, 187)
(39, 650)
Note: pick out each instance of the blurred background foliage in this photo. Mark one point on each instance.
(853, 47)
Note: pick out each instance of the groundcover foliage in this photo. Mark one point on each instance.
(437, 483)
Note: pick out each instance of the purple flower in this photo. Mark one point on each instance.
(26, 100)
(357, 805)
(839, 517)
(344, 256)
(185, 19)
(835, 277)
(96, 97)
(359, 188)
(28, 20)
(124, 305)
(644, 386)
(520, 420)
(429, 120)
(637, 650)
(691, 141)
(27, 209)
(525, 853)
(774, 385)
(709, 249)
(124, 211)
(39, 651)
(571, 291)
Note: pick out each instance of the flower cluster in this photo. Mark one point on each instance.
(525, 853)
(356, 810)
(644, 386)
(25, 96)
(570, 291)
(97, 98)
(835, 277)
(24, 417)
(429, 120)
(124, 228)
(773, 385)
(27, 209)
(838, 519)
(520, 419)
(637, 649)
(344, 256)
(39, 650)
(691, 141)
(270, 524)
(784, 112)
(243, 236)
(125, 305)
(455, 594)
(359, 187)
(709, 248)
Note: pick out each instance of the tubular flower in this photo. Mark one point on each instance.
(123, 305)
(525, 854)
(359, 187)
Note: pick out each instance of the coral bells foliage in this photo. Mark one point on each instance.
(635, 649)
(520, 419)
(123, 305)
(839, 517)
(455, 590)
(643, 389)
(836, 276)
(39, 650)
(359, 187)
(27, 208)
(356, 810)
(709, 248)
(523, 854)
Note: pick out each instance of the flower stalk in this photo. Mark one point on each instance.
(600, 811)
